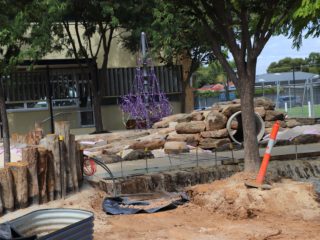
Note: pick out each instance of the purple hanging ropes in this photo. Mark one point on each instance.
(145, 103)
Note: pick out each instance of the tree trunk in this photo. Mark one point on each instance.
(251, 150)
(96, 98)
(5, 126)
(187, 98)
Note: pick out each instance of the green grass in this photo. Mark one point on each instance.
(302, 111)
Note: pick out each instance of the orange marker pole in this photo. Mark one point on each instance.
(267, 154)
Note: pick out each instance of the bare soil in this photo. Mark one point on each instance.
(224, 210)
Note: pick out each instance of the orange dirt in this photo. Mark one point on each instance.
(222, 210)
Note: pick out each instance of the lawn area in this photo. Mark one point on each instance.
(302, 111)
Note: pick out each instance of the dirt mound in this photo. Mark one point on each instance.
(230, 197)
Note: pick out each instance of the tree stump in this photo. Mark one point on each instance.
(53, 147)
(30, 155)
(62, 128)
(6, 189)
(19, 172)
(42, 174)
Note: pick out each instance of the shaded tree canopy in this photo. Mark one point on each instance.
(211, 73)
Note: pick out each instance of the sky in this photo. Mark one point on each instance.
(279, 47)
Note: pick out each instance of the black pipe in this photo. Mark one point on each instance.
(49, 100)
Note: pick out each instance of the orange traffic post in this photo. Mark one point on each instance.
(267, 154)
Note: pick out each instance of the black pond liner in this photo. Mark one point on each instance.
(119, 205)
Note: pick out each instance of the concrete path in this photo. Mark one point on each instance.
(188, 160)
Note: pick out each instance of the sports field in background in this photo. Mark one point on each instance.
(302, 111)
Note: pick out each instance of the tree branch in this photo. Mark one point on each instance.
(82, 49)
(74, 48)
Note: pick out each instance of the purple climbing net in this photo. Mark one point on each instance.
(145, 103)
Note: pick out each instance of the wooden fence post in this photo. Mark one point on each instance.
(30, 155)
(20, 183)
(6, 189)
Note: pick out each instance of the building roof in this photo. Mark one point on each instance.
(283, 76)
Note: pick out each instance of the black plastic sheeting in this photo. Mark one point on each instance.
(119, 205)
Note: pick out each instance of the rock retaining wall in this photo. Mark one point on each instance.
(175, 180)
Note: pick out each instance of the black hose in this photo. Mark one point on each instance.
(105, 167)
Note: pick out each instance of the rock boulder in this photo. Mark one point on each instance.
(272, 115)
(222, 133)
(175, 147)
(215, 121)
(211, 143)
(266, 103)
(190, 127)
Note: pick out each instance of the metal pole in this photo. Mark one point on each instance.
(278, 92)
(311, 97)
(49, 99)
(145, 76)
(294, 85)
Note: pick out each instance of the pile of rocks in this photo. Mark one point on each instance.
(179, 133)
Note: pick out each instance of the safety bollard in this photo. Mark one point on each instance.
(267, 154)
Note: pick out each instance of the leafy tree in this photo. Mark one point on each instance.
(304, 23)
(313, 62)
(19, 41)
(287, 64)
(309, 64)
(243, 27)
(173, 37)
(86, 29)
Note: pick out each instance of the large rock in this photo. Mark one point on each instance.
(164, 123)
(272, 115)
(260, 111)
(190, 127)
(211, 143)
(131, 154)
(110, 158)
(307, 121)
(291, 123)
(167, 130)
(222, 133)
(153, 136)
(175, 147)
(188, 138)
(215, 121)
(228, 110)
(148, 144)
(197, 116)
(267, 103)
(269, 124)
(185, 118)
(307, 138)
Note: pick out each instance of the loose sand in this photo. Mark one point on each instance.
(224, 210)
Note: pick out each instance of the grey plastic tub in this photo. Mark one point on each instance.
(55, 224)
